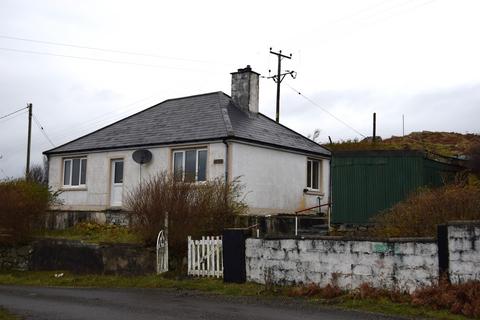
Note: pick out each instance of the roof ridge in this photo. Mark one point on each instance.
(225, 115)
(194, 96)
(123, 119)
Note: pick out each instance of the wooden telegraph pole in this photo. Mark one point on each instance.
(27, 170)
(278, 78)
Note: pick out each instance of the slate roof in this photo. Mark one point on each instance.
(204, 117)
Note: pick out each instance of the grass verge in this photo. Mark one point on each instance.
(5, 315)
(402, 309)
(217, 286)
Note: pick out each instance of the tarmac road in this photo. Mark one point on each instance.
(139, 304)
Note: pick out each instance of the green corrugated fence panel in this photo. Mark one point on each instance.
(364, 185)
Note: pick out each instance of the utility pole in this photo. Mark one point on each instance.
(278, 78)
(27, 170)
(374, 127)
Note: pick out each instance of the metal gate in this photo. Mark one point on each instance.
(162, 248)
(162, 252)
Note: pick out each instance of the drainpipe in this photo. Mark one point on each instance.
(330, 200)
(226, 160)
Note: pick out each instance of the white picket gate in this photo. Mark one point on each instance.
(205, 257)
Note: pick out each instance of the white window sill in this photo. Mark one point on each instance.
(313, 192)
(68, 188)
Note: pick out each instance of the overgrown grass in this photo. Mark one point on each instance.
(372, 300)
(5, 315)
(95, 233)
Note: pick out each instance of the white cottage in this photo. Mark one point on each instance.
(204, 136)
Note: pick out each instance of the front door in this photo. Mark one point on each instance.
(117, 183)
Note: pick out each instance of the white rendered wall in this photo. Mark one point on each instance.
(274, 179)
(96, 194)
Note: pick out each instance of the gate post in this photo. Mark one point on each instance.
(234, 268)
(443, 253)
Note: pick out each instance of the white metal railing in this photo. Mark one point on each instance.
(205, 257)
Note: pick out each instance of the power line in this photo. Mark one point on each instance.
(102, 49)
(43, 130)
(354, 14)
(377, 18)
(101, 60)
(104, 118)
(13, 117)
(11, 113)
(326, 111)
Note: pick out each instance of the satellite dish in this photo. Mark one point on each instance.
(142, 156)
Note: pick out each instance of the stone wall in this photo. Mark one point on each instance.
(79, 257)
(15, 257)
(464, 251)
(404, 264)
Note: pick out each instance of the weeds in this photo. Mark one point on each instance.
(96, 233)
(457, 298)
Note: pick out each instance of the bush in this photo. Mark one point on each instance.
(419, 215)
(23, 205)
(193, 210)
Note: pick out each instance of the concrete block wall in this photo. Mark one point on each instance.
(464, 250)
(404, 264)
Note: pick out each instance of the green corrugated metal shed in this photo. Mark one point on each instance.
(365, 183)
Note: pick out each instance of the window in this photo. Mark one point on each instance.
(313, 174)
(190, 165)
(74, 172)
(118, 171)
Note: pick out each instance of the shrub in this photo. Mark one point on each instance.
(420, 213)
(23, 205)
(193, 210)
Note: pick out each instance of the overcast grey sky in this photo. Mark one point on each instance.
(414, 57)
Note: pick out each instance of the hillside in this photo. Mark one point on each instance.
(449, 144)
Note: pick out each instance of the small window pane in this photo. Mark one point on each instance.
(202, 165)
(190, 165)
(118, 172)
(178, 165)
(75, 172)
(66, 172)
(83, 177)
(315, 174)
(309, 174)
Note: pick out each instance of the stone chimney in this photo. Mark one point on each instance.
(245, 89)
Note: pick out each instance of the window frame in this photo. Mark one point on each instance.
(80, 171)
(183, 152)
(113, 173)
(319, 175)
